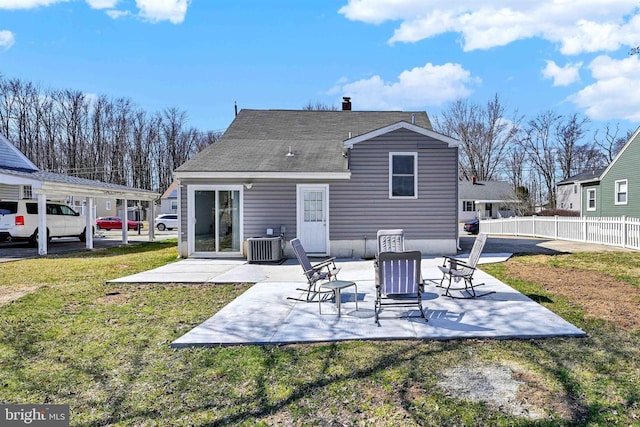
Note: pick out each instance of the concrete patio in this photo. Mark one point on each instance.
(264, 314)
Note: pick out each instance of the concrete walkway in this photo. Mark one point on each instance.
(265, 315)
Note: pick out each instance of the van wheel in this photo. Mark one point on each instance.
(33, 240)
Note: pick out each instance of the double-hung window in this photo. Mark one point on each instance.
(403, 175)
(621, 192)
(591, 199)
(469, 206)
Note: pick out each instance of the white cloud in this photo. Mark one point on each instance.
(616, 92)
(588, 26)
(431, 85)
(562, 76)
(7, 39)
(115, 14)
(26, 4)
(102, 4)
(173, 11)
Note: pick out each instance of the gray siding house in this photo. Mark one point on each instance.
(569, 191)
(616, 191)
(169, 200)
(486, 200)
(330, 178)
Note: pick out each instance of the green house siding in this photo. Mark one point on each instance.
(625, 167)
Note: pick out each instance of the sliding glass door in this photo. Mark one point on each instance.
(215, 227)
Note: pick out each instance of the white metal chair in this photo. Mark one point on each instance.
(399, 281)
(315, 273)
(456, 270)
(390, 240)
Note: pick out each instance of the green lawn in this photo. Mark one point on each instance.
(104, 350)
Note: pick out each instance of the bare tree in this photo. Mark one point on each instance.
(515, 162)
(319, 106)
(484, 134)
(568, 134)
(205, 139)
(611, 142)
(540, 146)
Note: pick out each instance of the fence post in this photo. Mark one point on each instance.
(533, 225)
(624, 231)
(555, 227)
(584, 228)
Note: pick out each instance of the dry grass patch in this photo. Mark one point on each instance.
(600, 295)
(14, 292)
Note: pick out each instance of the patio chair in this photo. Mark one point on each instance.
(399, 281)
(314, 273)
(390, 240)
(456, 270)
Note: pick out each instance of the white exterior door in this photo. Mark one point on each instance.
(313, 224)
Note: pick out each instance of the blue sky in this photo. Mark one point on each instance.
(201, 56)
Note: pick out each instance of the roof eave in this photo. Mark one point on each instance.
(262, 175)
(88, 191)
(349, 143)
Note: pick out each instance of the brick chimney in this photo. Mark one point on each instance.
(473, 180)
(346, 103)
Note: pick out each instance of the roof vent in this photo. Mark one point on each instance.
(413, 119)
(290, 153)
(346, 103)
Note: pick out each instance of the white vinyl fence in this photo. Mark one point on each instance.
(621, 231)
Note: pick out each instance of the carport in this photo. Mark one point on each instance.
(17, 171)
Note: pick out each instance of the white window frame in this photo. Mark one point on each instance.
(591, 191)
(464, 206)
(174, 205)
(617, 192)
(107, 205)
(27, 192)
(414, 154)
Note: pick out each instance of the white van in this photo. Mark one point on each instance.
(19, 221)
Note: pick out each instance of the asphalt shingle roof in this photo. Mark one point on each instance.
(583, 176)
(485, 190)
(259, 140)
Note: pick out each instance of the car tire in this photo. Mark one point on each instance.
(161, 227)
(33, 240)
(83, 235)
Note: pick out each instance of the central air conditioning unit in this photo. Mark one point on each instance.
(261, 249)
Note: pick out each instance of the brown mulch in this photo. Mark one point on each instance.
(599, 295)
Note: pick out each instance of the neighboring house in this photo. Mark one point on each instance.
(616, 191)
(330, 178)
(485, 199)
(569, 191)
(102, 206)
(169, 200)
